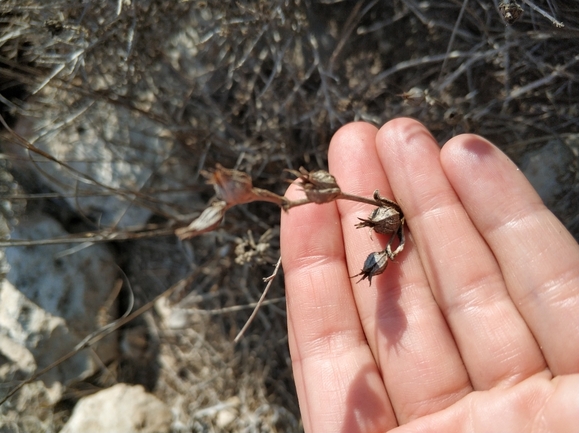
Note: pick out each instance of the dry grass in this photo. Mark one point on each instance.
(259, 86)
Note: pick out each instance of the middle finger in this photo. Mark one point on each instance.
(408, 336)
(465, 279)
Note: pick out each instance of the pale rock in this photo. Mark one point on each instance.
(50, 301)
(228, 414)
(120, 409)
(117, 158)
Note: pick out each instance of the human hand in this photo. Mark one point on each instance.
(474, 327)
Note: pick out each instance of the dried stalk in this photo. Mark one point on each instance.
(269, 281)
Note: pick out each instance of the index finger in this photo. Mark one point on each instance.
(338, 383)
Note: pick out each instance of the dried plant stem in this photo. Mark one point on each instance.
(556, 23)
(107, 235)
(271, 197)
(259, 303)
(236, 308)
(343, 196)
(352, 197)
(452, 36)
(296, 203)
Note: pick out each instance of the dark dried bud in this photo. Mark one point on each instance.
(319, 186)
(383, 220)
(452, 116)
(375, 264)
(510, 11)
(209, 220)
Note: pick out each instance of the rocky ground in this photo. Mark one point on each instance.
(112, 109)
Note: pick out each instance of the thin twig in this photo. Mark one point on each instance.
(352, 197)
(260, 302)
(92, 237)
(558, 72)
(556, 23)
(353, 18)
(452, 36)
(343, 196)
(235, 308)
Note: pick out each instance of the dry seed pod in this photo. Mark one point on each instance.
(232, 186)
(319, 186)
(510, 11)
(374, 264)
(235, 187)
(452, 116)
(383, 220)
(414, 97)
(209, 219)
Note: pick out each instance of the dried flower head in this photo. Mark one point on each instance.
(232, 186)
(209, 219)
(319, 186)
(383, 220)
(510, 11)
(374, 264)
(414, 97)
(235, 187)
(248, 250)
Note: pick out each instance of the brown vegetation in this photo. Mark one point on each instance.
(259, 86)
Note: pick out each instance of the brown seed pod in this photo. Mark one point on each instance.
(510, 11)
(386, 219)
(231, 186)
(319, 186)
(383, 220)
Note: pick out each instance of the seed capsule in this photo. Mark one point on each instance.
(209, 220)
(375, 264)
(414, 97)
(383, 220)
(232, 186)
(510, 11)
(319, 186)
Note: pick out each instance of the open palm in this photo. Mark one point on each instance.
(475, 327)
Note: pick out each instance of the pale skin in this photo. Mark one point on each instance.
(475, 327)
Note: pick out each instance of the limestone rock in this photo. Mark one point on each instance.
(50, 301)
(120, 409)
(121, 163)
